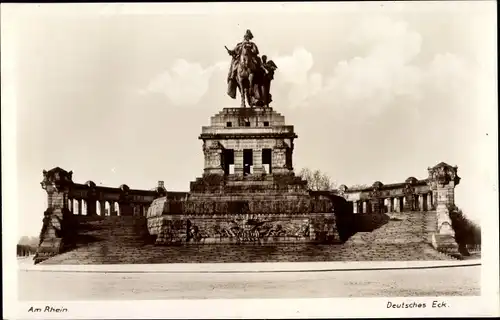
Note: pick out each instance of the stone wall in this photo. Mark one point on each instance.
(244, 228)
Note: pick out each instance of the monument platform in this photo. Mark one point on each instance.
(248, 192)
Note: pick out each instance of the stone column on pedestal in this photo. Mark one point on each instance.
(409, 192)
(443, 178)
(238, 162)
(396, 204)
(377, 200)
(258, 168)
(112, 209)
(91, 198)
(57, 183)
(103, 207)
(79, 202)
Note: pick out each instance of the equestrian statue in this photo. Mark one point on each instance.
(250, 74)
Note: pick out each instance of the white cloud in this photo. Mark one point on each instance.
(185, 83)
(383, 72)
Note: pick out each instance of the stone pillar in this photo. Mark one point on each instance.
(57, 183)
(238, 162)
(429, 201)
(408, 201)
(112, 210)
(71, 205)
(376, 206)
(421, 202)
(91, 207)
(443, 178)
(103, 207)
(258, 168)
(391, 204)
(79, 203)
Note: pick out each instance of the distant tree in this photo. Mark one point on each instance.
(317, 180)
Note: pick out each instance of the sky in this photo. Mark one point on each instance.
(376, 91)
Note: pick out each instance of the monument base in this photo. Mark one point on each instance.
(244, 228)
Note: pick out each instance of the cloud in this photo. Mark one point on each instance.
(383, 73)
(185, 83)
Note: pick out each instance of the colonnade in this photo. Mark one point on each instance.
(420, 202)
(104, 208)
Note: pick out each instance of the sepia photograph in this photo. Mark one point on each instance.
(218, 159)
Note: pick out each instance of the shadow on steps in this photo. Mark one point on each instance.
(349, 225)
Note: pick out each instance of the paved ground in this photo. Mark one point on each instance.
(460, 281)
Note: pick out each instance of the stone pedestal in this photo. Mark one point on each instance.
(57, 183)
(275, 207)
(443, 178)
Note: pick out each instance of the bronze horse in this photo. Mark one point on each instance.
(245, 74)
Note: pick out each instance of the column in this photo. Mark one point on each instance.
(391, 204)
(421, 202)
(416, 202)
(258, 168)
(429, 201)
(103, 207)
(71, 206)
(238, 162)
(91, 207)
(79, 202)
(112, 210)
(445, 198)
(408, 203)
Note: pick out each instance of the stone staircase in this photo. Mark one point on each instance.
(113, 240)
(406, 236)
(109, 239)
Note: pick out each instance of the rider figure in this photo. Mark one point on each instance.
(235, 53)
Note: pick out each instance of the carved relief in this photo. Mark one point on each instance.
(247, 230)
(56, 179)
(212, 150)
(443, 174)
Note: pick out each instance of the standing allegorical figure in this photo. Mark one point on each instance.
(267, 75)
